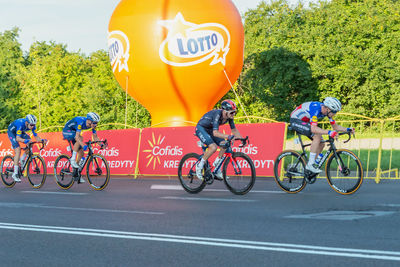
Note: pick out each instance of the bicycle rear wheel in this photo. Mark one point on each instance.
(7, 169)
(36, 171)
(239, 173)
(98, 172)
(63, 172)
(187, 174)
(345, 174)
(289, 171)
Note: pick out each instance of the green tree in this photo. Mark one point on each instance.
(11, 61)
(351, 48)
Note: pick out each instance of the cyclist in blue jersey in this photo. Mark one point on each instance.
(207, 132)
(304, 120)
(72, 132)
(17, 133)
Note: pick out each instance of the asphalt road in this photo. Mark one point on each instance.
(153, 222)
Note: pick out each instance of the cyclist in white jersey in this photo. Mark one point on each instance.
(304, 120)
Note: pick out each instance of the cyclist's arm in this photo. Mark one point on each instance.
(217, 133)
(236, 133)
(316, 130)
(20, 139)
(95, 137)
(37, 138)
(19, 133)
(339, 128)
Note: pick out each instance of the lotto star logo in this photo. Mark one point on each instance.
(188, 44)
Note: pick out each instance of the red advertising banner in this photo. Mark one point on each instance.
(162, 148)
(122, 150)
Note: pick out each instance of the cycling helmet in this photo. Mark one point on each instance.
(228, 105)
(333, 104)
(31, 119)
(92, 116)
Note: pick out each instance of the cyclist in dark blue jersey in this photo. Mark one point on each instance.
(304, 120)
(17, 133)
(207, 131)
(72, 132)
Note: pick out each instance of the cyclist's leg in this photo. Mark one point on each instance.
(17, 152)
(204, 137)
(24, 155)
(221, 143)
(70, 137)
(304, 128)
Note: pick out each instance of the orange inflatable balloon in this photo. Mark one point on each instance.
(172, 55)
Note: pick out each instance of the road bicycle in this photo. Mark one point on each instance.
(34, 165)
(343, 168)
(239, 173)
(97, 169)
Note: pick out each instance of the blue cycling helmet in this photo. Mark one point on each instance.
(93, 116)
(31, 119)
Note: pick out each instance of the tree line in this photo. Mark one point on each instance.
(343, 48)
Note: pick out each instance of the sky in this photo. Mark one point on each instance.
(80, 24)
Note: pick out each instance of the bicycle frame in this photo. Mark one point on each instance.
(30, 154)
(331, 149)
(227, 156)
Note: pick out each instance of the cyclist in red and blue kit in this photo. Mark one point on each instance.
(304, 120)
(72, 132)
(17, 133)
(207, 132)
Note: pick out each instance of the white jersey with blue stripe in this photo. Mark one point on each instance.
(309, 112)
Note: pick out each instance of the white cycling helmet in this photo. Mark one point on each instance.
(333, 104)
(31, 119)
(94, 117)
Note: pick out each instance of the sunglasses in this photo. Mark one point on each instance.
(94, 123)
(32, 125)
(232, 112)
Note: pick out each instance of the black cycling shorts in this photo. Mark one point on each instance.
(301, 127)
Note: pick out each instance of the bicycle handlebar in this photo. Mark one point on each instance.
(104, 142)
(343, 133)
(30, 144)
(245, 141)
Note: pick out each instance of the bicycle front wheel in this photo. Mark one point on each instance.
(187, 174)
(63, 172)
(98, 172)
(289, 169)
(239, 173)
(7, 169)
(344, 172)
(36, 171)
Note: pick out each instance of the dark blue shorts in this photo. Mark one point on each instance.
(14, 141)
(206, 137)
(69, 135)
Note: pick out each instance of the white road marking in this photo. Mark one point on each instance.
(216, 242)
(165, 187)
(54, 193)
(40, 206)
(209, 199)
(178, 187)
